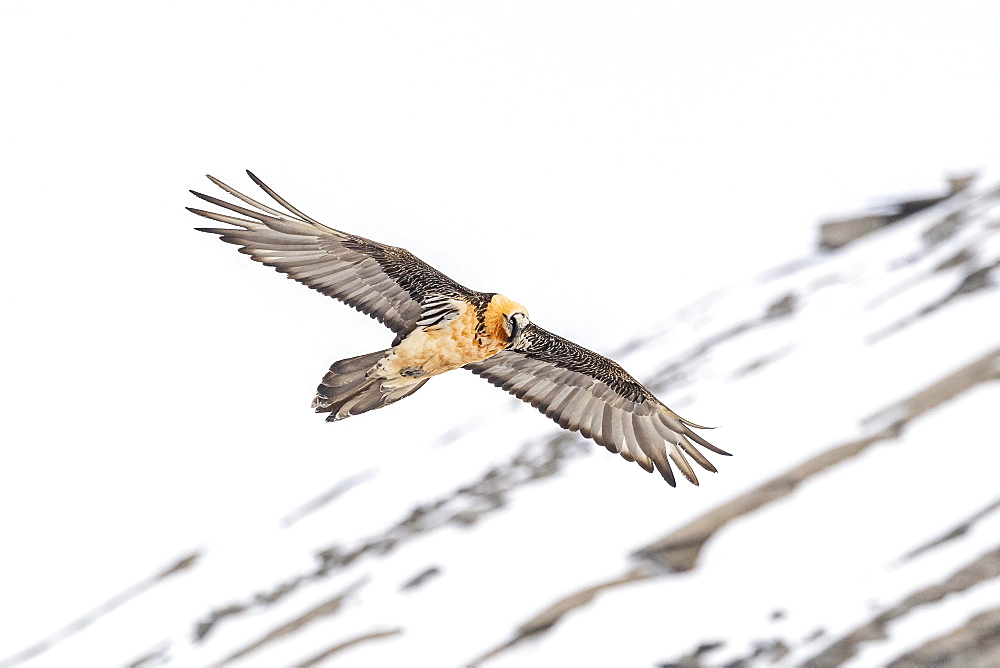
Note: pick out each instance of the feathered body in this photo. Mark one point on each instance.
(441, 326)
(461, 334)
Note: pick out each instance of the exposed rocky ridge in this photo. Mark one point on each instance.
(984, 568)
(839, 233)
(678, 551)
(108, 607)
(464, 507)
(974, 645)
(958, 531)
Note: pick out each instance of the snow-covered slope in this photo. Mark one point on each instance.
(859, 520)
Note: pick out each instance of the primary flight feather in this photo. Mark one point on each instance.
(441, 325)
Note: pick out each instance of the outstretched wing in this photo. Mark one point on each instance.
(385, 282)
(584, 391)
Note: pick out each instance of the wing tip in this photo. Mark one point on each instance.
(255, 179)
(707, 445)
(197, 212)
(690, 475)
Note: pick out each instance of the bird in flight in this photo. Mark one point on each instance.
(441, 325)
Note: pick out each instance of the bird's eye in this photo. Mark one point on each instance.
(515, 325)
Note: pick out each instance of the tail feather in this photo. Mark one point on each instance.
(355, 364)
(351, 387)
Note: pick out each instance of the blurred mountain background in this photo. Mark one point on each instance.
(862, 526)
(784, 218)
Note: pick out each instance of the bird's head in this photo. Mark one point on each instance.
(506, 320)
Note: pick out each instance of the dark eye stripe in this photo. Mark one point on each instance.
(515, 327)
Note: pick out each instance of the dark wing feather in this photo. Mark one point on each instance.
(584, 391)
(385, 282)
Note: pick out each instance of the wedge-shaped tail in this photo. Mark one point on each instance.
(352, 387)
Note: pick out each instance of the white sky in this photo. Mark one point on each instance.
(601, 162)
